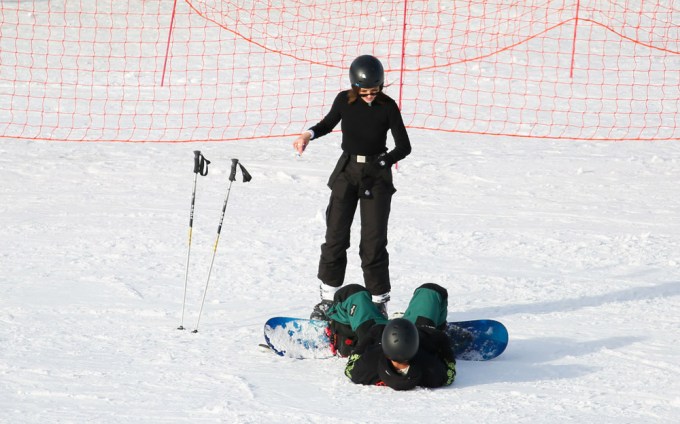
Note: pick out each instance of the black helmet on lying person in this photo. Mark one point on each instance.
(400, 340)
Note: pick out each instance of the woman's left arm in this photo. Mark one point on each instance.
(402, 144)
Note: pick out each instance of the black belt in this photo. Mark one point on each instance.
(363, 158)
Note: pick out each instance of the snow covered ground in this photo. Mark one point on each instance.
(575, 246)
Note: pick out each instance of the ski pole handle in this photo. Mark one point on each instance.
(197, 161)
(246, 175)
(200, 163)
(232, 175)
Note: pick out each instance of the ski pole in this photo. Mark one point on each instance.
(200, 167)
(232, 176)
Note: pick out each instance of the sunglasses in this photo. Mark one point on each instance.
(370, 93)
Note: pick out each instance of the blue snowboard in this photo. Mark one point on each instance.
(478, 340)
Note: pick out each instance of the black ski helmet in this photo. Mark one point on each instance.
(366, 72)
(400, 340)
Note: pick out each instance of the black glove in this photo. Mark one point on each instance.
(342, 338)
(369, 338)
(383, 161)
(393, 379)
(436, 342)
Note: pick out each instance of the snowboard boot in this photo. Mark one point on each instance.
(380, 302)
(327, 293)
(319, 311)
(382, 308)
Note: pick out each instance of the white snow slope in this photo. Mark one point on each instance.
(575, 246)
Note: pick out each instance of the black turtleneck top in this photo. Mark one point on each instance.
(364, 126)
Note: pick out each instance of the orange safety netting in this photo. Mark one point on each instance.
(222, 70)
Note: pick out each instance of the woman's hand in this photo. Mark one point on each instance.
(300, 143)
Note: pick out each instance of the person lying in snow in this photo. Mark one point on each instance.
(401, 353)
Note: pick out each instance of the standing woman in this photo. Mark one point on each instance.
(363, 176)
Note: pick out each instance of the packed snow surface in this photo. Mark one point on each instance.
(573, 245)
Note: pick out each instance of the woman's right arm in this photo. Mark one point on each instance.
(324, 126)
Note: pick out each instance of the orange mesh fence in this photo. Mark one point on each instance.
(178, 70)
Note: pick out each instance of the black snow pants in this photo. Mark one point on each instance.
(355, 181)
